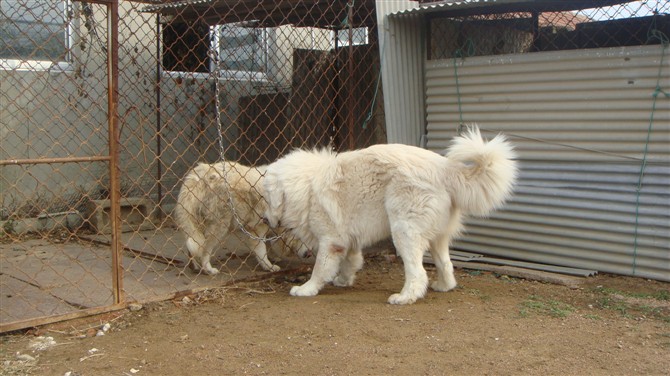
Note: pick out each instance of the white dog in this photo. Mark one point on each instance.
(339, 203)
(204, 212)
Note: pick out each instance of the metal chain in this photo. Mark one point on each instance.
(214, 55)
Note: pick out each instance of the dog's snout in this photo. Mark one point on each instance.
(268, 222)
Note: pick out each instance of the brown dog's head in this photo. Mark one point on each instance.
(274, 196)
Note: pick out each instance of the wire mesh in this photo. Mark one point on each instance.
(288, 74)
(294, 74)
(54, 157)
(509, 31)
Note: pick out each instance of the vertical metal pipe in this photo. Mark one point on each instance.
(335, 117)
(114, 139)
(159, 168)
(350, 83)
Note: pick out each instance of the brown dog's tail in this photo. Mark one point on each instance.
(190, 201)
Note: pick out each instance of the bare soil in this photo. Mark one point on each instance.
(490, 325)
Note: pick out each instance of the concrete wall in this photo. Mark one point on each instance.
(60, 113)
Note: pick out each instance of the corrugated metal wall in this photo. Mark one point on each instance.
(402, 58)
(580, 120)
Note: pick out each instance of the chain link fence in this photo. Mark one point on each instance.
(88, 190)
(102, 118)
(476, 32)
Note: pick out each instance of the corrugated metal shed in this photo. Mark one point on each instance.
(580, 121)
(401, 27)
(402, 57)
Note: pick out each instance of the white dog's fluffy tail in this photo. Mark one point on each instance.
(487, 171)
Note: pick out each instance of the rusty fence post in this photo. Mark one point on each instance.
(114, 139)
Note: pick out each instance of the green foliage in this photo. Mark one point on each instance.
(634, 304)
(538, 305)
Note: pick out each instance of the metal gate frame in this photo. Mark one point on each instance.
(113, 159)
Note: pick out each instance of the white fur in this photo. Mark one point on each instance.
(204, 214)
(340, 203)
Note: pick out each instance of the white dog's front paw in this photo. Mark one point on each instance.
(304, 290)
(401, 299)
(442, 286)
(341, 281)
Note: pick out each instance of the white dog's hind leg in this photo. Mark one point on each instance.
(445, 269)
(352, 263)
(328, 259)
(410, 249)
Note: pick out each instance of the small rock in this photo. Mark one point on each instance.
(134, 307)
(25, 358)
(41, 343)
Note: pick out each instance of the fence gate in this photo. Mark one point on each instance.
(56, 157)
(106, 105)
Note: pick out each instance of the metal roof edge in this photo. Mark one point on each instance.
(176, 4)
(455, 5)
(518, 5)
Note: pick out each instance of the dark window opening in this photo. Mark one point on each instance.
(186, 47)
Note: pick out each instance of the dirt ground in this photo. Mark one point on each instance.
(490, 325)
